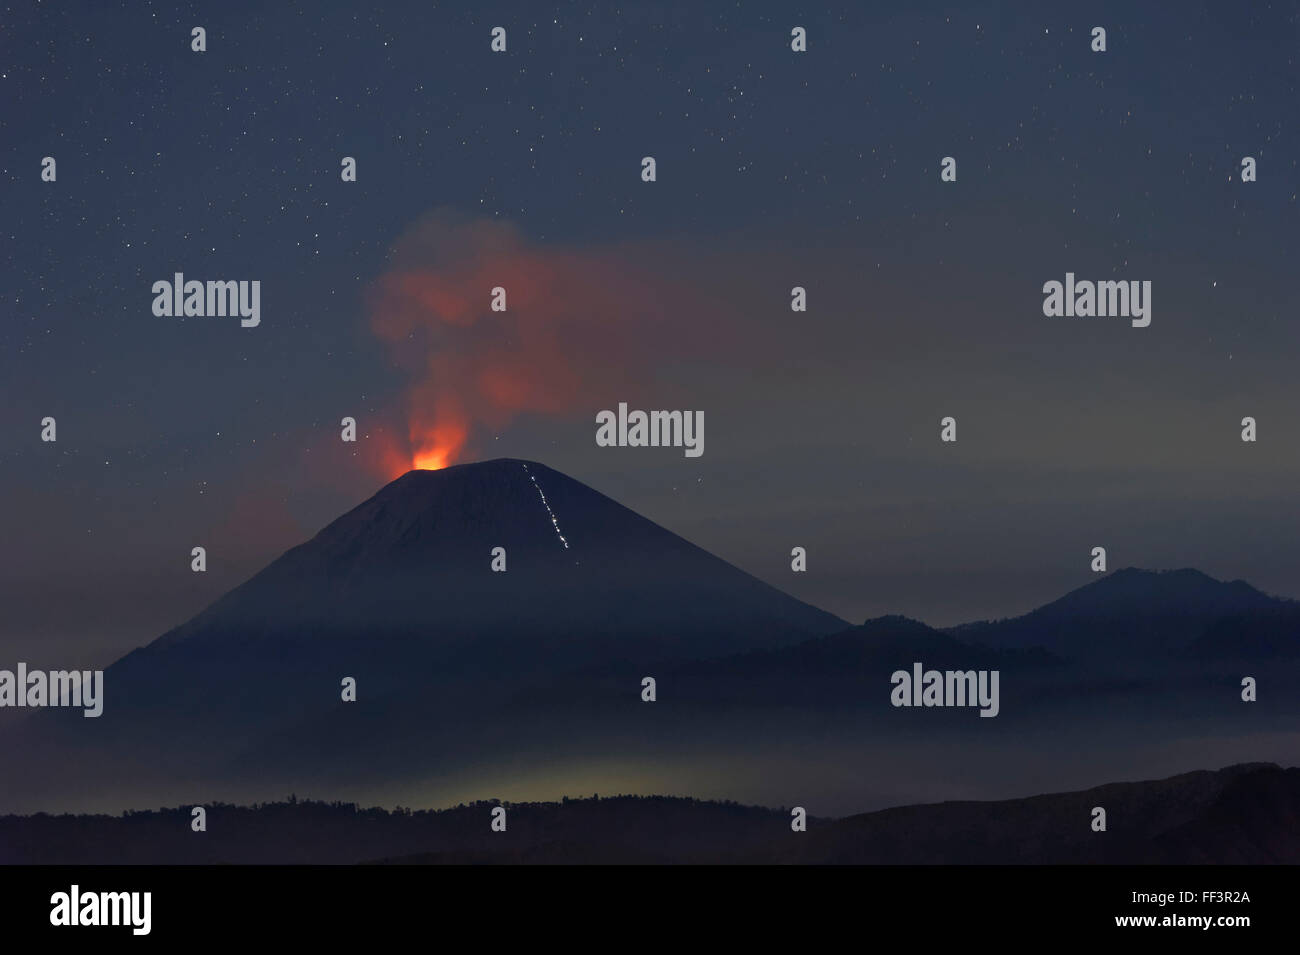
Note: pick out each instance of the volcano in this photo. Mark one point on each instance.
(584, 577)
(400, 595)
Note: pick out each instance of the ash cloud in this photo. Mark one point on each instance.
(581, 327)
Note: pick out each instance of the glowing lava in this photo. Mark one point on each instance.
(438, 445)
(432, 460)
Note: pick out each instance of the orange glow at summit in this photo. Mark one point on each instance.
(438, 445)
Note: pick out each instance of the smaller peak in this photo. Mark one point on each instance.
(1133, 573)
(1188, 575)
(893, 620)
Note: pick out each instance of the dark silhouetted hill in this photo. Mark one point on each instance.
(1246, 814)
(609, 829)
(1190, 818)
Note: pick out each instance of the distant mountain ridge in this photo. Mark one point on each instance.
(850, 667)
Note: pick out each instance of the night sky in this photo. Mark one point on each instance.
(775, 169)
